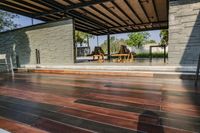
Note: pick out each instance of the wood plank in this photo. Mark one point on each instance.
(16, 127)
(130, 124)
(146, 123)
(42, 114)
(135, 101)
(55, 102)
(167, 118)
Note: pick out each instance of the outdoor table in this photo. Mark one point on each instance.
(123, 57)
(100, 57)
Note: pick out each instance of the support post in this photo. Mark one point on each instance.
(164, 53)
(32, 21)
(97, 40)
(11, 67)
(108, 48)
(37, 54)
(17, 61)
(150, 52)
(197, 72)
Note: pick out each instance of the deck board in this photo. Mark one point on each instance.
(88, 103)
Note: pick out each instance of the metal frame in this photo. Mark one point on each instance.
(97, 21)
(150, 51)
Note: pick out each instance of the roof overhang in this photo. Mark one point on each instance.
(97, 17)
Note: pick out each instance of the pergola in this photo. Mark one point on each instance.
(97, 17)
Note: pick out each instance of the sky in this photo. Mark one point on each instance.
(26, 21)
(154, 35)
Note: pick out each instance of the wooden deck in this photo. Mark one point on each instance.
(42, 103)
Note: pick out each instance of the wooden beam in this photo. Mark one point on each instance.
(75, 6)
(133, 11)
(134, 30)
(20, 6)
(103, 14)
(155, 9)
(122, 11)
(145, 12)
(137, 25)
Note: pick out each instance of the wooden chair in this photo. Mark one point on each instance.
(99, 53)
(124, 55)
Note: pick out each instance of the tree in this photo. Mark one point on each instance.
(164, 37)
(104, 44)
(138, 39)
(151, 41)
(6, 21)
(114, 44)
(82, 37)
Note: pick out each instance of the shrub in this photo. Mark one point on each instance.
(154, 55)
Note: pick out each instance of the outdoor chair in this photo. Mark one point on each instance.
(99, 53)
(4, 61)
(124, 55)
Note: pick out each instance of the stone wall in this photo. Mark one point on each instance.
(54, 41)
(184, 32)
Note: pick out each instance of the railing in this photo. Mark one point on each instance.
(197, 72)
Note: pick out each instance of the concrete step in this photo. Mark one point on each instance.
(152, 74)
(189, 69)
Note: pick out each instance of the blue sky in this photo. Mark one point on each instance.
(25, 21)
(155, 35)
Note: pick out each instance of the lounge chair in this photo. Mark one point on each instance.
(99, 54)
(124, 55)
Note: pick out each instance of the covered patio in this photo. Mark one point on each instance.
(52, 93)
(101, 17)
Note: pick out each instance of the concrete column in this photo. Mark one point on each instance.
(184, 35)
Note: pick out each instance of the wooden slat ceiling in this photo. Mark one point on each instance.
(97, 17)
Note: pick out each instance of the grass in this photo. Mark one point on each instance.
(154, 55)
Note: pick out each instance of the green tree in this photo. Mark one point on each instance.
(82, 37)
(151, 41)
(138, 39)
(6, 21)
(164, 37)
(114, 44)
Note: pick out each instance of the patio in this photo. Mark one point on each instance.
(80, 103)
(61, 19)
(138, 97)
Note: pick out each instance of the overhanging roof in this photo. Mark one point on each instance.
(97, 17)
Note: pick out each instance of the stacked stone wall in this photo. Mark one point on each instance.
(184, 32)
(54, 41)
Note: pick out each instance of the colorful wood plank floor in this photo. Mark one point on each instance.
(32, 103)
